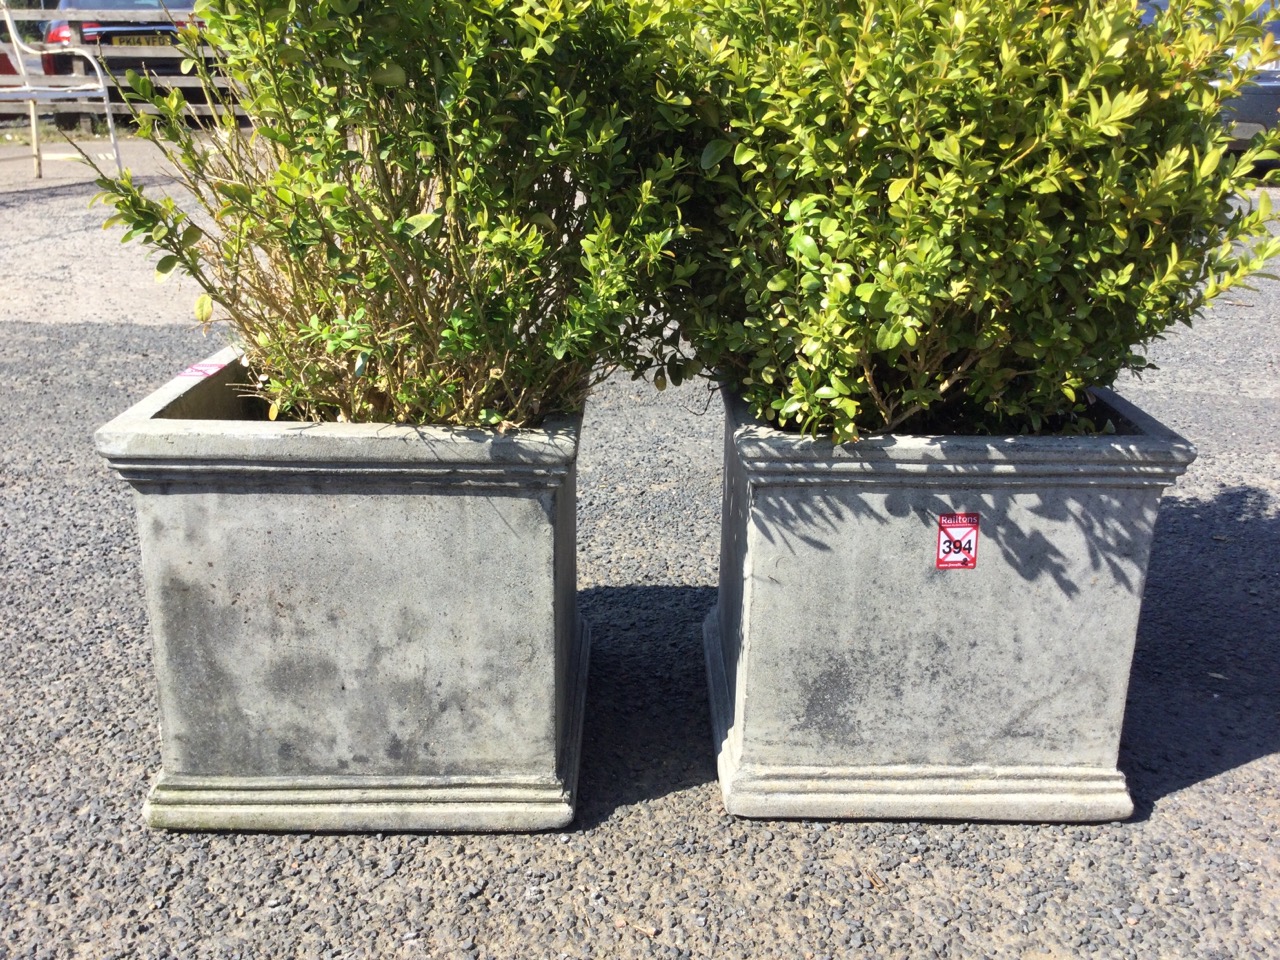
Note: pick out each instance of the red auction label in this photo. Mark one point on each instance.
(957, 541)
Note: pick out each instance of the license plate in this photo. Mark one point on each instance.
(142, 40)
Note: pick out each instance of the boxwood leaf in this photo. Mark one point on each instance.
(714, 152)
(204, 308)
(888, 336)
(807, 247)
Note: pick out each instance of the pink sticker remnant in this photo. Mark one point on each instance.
(202, 370)
(957, 541)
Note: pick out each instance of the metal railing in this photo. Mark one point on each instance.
(105, 53)
(31, 90)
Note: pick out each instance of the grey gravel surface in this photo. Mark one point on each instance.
(652, 867)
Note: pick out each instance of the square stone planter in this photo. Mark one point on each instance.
(931, 627)
(355, 626)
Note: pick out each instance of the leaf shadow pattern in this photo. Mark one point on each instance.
(1204, 692)
(647, 732)
(1057, 507)
(1102, 530)
(872, 645)
(1204, 697)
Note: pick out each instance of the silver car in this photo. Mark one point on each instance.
(1258, 106)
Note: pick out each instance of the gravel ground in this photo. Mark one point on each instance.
(652, 867)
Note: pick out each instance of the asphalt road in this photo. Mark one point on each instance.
(652, 867)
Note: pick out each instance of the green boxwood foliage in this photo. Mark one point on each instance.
(955, 215)
(445, 211)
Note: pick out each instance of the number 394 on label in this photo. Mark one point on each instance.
(957, 541)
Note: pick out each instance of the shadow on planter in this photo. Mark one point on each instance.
(1211, 604)
(1205, 691)
(647, 719)
(1101, 522)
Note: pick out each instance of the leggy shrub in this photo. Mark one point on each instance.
(451, 211)
(956, 214)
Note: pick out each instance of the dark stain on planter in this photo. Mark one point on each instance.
(395, 749)
(205, 697)
(303, 677)
(829, 703)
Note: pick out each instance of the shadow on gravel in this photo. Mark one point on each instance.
(16, 200)
(1205, 692)
(648, 725)
(1204, 696)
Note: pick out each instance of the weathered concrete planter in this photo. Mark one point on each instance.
(851, 677)
(356, 627)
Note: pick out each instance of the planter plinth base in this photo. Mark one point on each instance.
(177, 804)
(901, 791)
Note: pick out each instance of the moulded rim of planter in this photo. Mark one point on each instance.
(1140, 445)
(163, 427)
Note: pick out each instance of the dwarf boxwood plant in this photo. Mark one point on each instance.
(958, 214)
(445, 211)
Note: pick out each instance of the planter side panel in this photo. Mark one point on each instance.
(329, 631)
(865, 654)
(572, 639)
(735, 572)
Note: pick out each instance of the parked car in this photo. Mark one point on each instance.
(103, 38)
(1258, 107)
